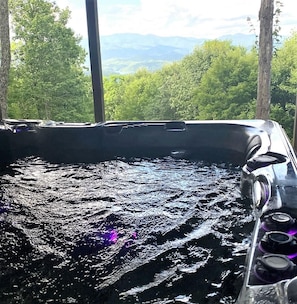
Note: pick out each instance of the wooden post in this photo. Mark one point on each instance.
(265, 57)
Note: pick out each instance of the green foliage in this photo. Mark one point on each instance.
(133, 97)
(172, 91)
(48, 79)
(217, 81)
(228, 86)
(284, 72)
(283, 84)
(164, 94)
(114, 87)
(284, 116)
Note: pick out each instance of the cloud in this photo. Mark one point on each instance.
(192, 18)
(197, 18)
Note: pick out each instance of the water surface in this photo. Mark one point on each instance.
(139, 231)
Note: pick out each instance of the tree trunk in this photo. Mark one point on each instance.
(4, 57)
(265, 57)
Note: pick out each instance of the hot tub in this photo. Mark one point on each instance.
(260, 148)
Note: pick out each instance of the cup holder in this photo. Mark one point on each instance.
(278, 221)
(271, 268)
(278, 242)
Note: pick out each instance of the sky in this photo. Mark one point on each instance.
(208, 19)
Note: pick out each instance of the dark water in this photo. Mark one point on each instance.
(144, 231)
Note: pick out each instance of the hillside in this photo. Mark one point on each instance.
(126, 53)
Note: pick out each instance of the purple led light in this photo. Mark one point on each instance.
(292, 256)
(261, 248)
(130, 241)
(110, 237)
(113, 236)
(292, 231)
(267, 193)
(264, 227)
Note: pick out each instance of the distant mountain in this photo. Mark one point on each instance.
(126, 53)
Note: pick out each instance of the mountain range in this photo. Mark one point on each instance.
(126, 53)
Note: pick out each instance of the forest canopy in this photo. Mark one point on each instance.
(217, 80)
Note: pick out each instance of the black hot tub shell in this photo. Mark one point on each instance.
(230, 141)
(260, 147)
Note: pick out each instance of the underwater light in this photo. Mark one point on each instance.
(110, 237)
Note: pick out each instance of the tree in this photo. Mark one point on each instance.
(4, 56)
(135, 98)
(227, 88)
(171, 101)
(284, 72)
(284, 115)
(179, 81)
(49, 80)
(283, 84)
(265, 57)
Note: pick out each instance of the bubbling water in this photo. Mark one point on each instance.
(122, 231)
